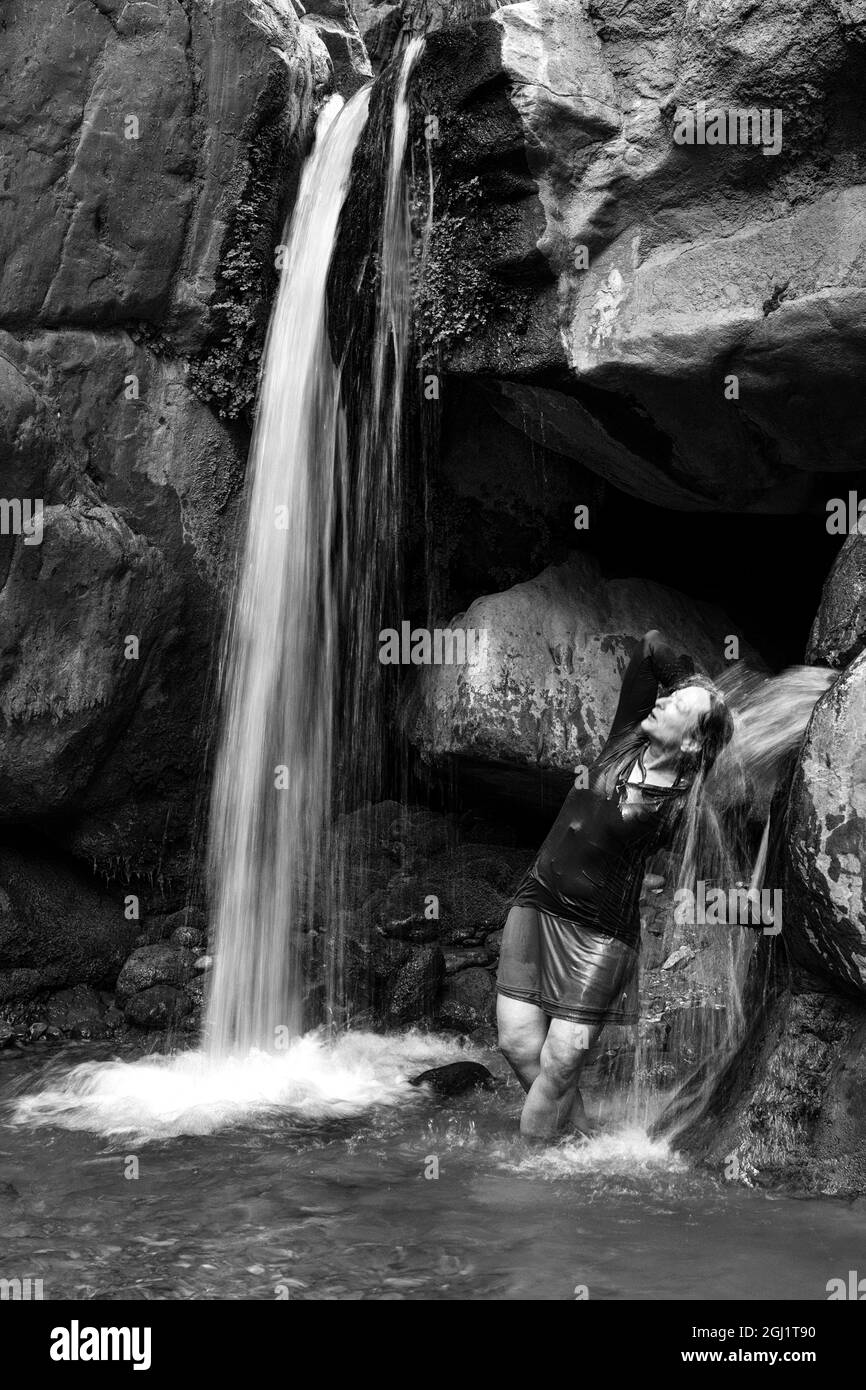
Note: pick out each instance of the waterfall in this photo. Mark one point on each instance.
(374, 509)
(272, 780)
(301, 628)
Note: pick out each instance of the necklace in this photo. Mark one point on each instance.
(622, 782)
(641, 765)
(656, 792)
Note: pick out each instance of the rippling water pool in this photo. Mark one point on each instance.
(312, 1176)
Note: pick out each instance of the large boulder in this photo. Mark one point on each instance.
(825, 906)
(56, 929)
(839, 630)
(99, 99)
(472, 990)
(162, 964)
(789, 1106)
(415, 986)
(68, 675)
(398, 982)
(545, 688)
(151, 156)
(159, 1006)
(606, 274)
(335, 24)
(133, 129)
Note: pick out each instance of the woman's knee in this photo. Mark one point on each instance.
(518, 1046)
(562, 1062)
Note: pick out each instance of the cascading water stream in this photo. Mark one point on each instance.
(717, 845)
(302, 625)
(272, 784)
(373, 508)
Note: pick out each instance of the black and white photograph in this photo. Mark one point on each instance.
(432, 670)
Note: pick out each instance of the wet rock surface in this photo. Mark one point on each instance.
(600, 270)
(839, 631)
(56, 929)
(68, 677)
(151, 153)
(788, 1112)
(334, 23)
(826, 838)
(159, 1006)
(152, 965)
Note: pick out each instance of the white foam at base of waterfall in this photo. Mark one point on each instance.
(315, 1079)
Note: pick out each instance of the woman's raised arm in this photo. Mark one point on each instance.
(653, 664)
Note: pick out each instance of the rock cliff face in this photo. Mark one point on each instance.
(839, 631)
(826, 870)
(788, 1109)
(335, 23)
(149, 157)
(674, 312)
(789, 1106)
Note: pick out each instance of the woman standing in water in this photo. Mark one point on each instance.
(568, 963)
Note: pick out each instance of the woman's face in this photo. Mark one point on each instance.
(673, 718)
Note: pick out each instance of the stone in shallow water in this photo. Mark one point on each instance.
(455, 1078)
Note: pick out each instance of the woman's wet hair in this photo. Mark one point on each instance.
(714, 728)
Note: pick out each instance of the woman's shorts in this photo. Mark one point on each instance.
(569, 970)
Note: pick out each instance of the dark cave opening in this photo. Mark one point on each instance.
(504, 509)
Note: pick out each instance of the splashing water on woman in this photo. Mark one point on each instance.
(569, 955)
(721, 855)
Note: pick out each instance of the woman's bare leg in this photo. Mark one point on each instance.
(577, 1117)
(554, 1096)
(522, 1031)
